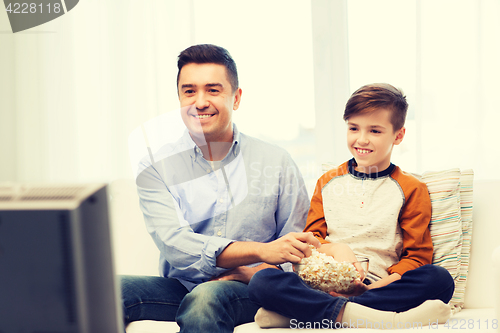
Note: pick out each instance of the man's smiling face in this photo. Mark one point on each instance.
(207, 102)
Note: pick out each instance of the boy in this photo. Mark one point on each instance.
(379, 212)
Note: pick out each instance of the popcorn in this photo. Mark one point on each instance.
(323, 272)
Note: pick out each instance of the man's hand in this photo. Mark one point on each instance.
(290, 248)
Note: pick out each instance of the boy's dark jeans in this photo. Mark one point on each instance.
(285, 293)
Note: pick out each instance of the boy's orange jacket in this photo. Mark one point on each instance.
(384, 217)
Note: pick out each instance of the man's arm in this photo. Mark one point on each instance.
(291, 244)
(192, 254)
(289, 248)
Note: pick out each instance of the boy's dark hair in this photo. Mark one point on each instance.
(377, 96)
(209, 54)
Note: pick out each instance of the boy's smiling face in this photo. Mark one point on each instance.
(370, 138)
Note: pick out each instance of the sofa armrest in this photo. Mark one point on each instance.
(495, 258)
(485, 231)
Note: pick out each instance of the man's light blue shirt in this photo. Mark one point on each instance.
(193, 211)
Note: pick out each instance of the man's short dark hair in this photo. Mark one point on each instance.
(209, 54)
(373, 97)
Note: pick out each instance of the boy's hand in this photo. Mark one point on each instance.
(339, 251)
(342, 252)
(240, 273)
(359, 289)
(361, 271)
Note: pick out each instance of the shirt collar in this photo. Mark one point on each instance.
(235, 148)
(195, 151)
(352, 164)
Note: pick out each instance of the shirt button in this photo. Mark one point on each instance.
(209, 170)
(219, 233)
(221, 200)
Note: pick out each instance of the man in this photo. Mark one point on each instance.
(219, 205)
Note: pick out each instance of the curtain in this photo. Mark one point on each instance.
(458, 85)
(444, 55)
(74, 89)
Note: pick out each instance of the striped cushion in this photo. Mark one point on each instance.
(446, 223)
(466, 182)
(451, 225)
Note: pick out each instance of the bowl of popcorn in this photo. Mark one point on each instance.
(323, 272)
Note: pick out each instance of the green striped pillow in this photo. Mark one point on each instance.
(466, 205)
(446, 222)
(451, 225)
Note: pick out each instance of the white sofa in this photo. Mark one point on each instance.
(135, 253)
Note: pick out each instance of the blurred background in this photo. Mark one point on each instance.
(72, 90)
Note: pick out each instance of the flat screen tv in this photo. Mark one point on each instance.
(56, 260)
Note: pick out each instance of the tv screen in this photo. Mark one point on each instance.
(56, 260)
